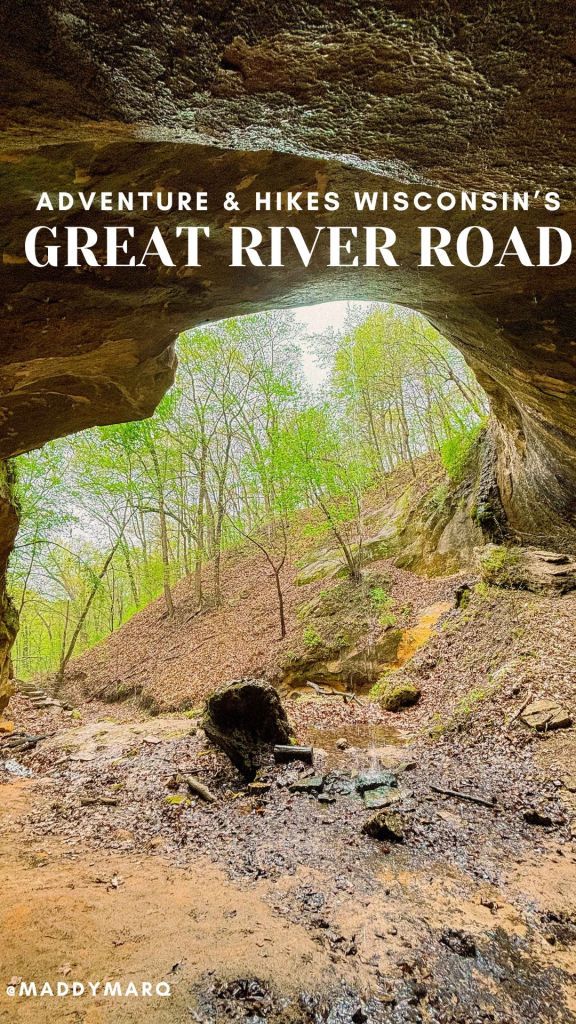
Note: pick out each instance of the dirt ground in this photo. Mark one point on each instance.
(269, 906)
(69, 915)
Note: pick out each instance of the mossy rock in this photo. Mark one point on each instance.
(533, 569)
(384, 826)
(313, 641)
(501, 566)
(177, 800)
(327, 566)
(394, 696)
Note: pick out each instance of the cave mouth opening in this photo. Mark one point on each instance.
(116, 516)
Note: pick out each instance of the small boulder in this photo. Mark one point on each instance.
(339, 784)
(313, 784)
(387, 827)
(543, 715)
(375, 780)
(246, 719)
(382, 796)
(341, 744)
(395, 696)
(258, 788)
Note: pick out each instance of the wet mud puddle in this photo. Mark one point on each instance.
(367, 746)
(372, 744)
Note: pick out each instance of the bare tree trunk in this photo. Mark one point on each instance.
(165, 559)
(200, 529)
(70, 649)
(277, 570)
(219, 520)
(352, 563)
(130, 572)
(405, 432)
(276, 567)
(163, 533)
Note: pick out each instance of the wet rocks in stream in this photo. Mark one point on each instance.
(377, 788)
(313, 784)
(381, 796)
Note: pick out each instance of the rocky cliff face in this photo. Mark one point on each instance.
(172, 95)
(445, 93)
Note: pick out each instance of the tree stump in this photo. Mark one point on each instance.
(246, 719)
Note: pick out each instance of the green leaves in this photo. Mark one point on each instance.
(456, 449)
(238, 447)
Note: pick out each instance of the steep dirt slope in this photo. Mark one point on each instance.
(177, 662)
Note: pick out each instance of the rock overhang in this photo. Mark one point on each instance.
(344, 96)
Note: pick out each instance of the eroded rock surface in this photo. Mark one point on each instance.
(383, 96)
(412, 90)
(541, 572)
(544, 715)
(165, 95)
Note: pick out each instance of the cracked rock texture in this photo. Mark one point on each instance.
(169, 94)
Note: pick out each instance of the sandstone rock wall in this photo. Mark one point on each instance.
(164, 94)
(343, 95)
(95, 345)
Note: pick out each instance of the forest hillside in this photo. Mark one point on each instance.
(293, 698)
(257, 435)
(174, 662)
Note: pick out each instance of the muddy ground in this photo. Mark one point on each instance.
(270, 906)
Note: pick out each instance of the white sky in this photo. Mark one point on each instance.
(315, 320)
(328, 314)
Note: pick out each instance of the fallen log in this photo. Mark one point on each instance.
(324, 691)
(21, 741)
(464, 796)
(283, 754)
(200, 789)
